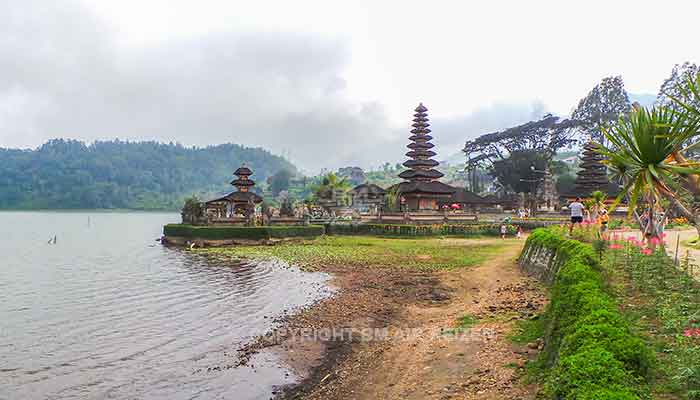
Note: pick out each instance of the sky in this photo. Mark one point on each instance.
(325, 83)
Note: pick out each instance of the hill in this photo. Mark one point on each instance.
(68, 174)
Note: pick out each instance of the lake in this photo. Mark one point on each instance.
(109, 313)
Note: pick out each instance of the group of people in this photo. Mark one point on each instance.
(577, 210)
(523, 213)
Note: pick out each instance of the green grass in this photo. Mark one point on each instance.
(422, 254)
(466, 321)
(463, 323)
(591, 351)
(527, 331)
(662, 301)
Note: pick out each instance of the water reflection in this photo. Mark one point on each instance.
(105, 314)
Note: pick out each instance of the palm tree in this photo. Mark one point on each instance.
(392, 200)
(646, 151)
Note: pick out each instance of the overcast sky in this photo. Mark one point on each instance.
(329, 83)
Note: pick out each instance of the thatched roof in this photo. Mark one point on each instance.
(238, 197)
(418, 173)
(434, 187)
(464, 196)
(243, 171)
(368, 188)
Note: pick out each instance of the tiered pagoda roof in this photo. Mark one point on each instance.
(243, 183)
(593, 174)
(421, 175)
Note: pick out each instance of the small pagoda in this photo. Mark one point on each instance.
(593, 174)
(239, 203)
(421, 189)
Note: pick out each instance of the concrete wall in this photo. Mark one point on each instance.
(540, 262)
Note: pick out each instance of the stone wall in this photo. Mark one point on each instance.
(540, 262)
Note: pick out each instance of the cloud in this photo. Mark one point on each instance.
(65, 73)
(451, 133)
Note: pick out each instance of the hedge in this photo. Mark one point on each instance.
(241, 232)
(590, 350)
(417, 230)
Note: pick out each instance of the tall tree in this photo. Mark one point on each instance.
(508, 154)
(516, 172)
(280, 181)
(674, 87)
(603, 105)
(545, 136)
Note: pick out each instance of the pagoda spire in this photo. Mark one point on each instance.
(420, 163)
(593, 174)
(243, 182)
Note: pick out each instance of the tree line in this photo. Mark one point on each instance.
(70, 174)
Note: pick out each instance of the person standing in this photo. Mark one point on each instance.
(576, 209)
(603, 219)
(504, 230)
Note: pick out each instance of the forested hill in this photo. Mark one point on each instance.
(65, 174)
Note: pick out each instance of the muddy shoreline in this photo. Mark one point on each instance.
(317, 339)
(340, 349)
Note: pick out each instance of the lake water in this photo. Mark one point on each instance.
(108, 313)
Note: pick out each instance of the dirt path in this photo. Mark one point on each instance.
(418, 357)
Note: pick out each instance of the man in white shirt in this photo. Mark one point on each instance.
(576, 213)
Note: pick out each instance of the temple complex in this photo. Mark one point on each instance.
(421, 189)
(239, 203)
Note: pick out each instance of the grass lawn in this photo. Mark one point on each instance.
(423, 253)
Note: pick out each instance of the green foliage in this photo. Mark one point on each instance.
(115, 174)
(644, 153)
(673, 91)
(392, 199)
(417, 230)
(363, 251)
(528, 330)
(666, 300)
(599, 246)
(193, 210)
(566, 183)
(514, 172)
(589, 346)
(280, 181)
(593, 369)
(466, 321)
(241, 232)
(604, 104)
(333, 188)
(287, 207)
(544, 136)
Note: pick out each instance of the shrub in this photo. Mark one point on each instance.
(589, 347)
(590, 370)
(241, 232)
(418, 230)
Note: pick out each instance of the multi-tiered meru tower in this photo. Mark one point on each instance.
(593, 174)
(421, 189)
